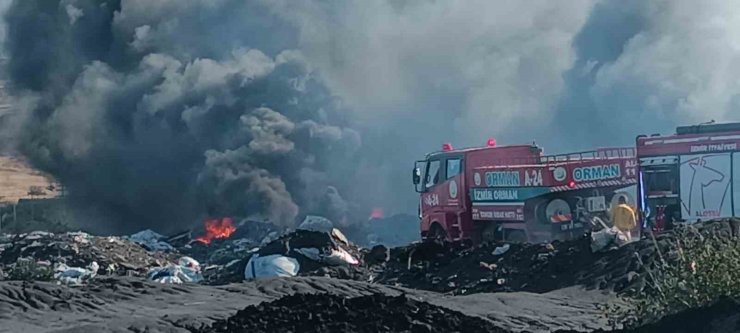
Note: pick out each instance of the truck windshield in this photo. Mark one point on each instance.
(661, 180)
(432, 174)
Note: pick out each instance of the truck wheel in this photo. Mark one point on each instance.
(437, 233)
(489, 233)
(516, 236)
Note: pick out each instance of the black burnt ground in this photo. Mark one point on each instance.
(537, 267)
(330, 313)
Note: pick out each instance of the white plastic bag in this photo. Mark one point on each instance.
(601, 239)
(501, 249)
(271, 266)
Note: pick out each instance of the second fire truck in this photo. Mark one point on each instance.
(689, 176)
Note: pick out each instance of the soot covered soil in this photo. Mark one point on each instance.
(331, 313)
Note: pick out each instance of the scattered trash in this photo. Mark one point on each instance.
(379, 254)
(602, 239)
(270, 238)
(186, 270)
(151, 240)
(316, 223)
(488, 266)
(501, 249)
(75, 276)
(115, 255)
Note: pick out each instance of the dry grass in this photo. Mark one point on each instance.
(17, 177)
(700, 269)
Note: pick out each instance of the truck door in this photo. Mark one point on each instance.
(454, 178)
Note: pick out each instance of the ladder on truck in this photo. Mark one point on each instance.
(598, 154)
(592, 155)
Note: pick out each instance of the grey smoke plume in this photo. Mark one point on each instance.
(161, 111)
(645, 67)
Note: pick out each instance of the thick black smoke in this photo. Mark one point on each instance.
(154, 114)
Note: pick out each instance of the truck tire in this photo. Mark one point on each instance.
(516, 236)
(488, 233)
(437, 233)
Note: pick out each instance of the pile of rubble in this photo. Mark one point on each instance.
(315, 249)
(42, 256)
(488, 267)
(331, 313)
(257, 250)
(253, 250)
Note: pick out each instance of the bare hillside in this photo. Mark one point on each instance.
(17, 178)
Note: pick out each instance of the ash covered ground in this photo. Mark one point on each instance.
(73, 282)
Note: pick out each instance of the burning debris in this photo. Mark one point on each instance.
(217, 229)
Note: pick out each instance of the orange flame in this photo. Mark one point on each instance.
(377, 213)
(217, 229)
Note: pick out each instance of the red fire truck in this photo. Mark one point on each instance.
(516, 193)
(689, 176)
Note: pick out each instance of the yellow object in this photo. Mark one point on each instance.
(624, 217)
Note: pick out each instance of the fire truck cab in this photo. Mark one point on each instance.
(515, 193)
(689, 176)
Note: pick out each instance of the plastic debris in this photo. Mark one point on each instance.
(75, 276)
(151, 240)
(186, 270)
(501, 250)
(271, 266)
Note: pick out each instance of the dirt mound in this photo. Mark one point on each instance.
(330, 313)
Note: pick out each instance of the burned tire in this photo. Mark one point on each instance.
(516, 236)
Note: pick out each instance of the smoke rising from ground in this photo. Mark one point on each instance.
(156, 113)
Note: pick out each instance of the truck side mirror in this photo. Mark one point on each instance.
(417, 176)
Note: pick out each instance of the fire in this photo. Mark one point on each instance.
(377, 213)
(217, 229)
